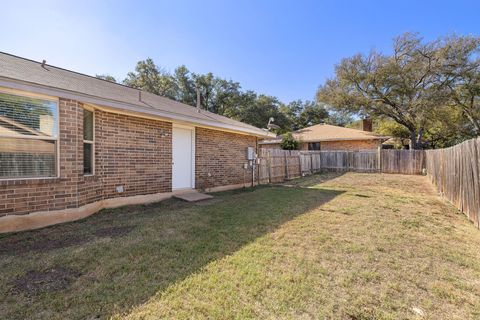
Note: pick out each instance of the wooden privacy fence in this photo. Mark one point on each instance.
(402, 161)
(455, 171)
(359, 161)
(280, 165)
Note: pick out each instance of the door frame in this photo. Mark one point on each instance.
(192, 130)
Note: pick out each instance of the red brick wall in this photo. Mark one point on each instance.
(129, 151)
(350, 145)
(133, 152)
(220, 157)
(335, 145)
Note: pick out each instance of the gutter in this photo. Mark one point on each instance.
(329, 140)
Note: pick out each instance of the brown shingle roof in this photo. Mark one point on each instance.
(326, 132)
(16, 68)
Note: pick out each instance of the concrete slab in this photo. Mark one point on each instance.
(193, 196)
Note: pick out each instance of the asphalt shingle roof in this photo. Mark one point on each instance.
(326, 132)
(16, 68)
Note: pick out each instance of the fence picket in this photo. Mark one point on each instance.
(455, 172)
(284, 164)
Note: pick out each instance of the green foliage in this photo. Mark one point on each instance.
(448, 127)
(257, 109)
(303, 114)
(289, 142)
(389, 127)
(146, 76)
(106, 77)
(413, 86)
(338, 117)
(224, 97)
(460, 72)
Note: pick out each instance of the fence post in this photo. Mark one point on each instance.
(379, 159)
(269, 163)
(311, 163)
(286, 166)
(350, 160)
(320, 161)
(300, 164)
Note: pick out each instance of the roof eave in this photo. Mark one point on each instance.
(119, 105)
(328, 140)
(344, 139)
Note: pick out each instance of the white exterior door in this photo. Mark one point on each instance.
(183, 155)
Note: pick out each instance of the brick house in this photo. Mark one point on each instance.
(327, 137)
(71, 144)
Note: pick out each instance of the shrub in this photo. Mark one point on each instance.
(289, 142)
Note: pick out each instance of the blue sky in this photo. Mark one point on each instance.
(280, 48)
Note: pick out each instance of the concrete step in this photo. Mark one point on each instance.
(193, 196)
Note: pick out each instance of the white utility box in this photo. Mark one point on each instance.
(250, 153)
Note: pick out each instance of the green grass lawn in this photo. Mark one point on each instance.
(352, 246)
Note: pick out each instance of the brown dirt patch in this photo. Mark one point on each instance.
(19, 246)
(34, 282)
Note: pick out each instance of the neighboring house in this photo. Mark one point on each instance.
(328, 137)
(71, 144)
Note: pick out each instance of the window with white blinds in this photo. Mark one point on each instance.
(28, 136)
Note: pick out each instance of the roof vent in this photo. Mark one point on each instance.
(272, 126)
(43, 63)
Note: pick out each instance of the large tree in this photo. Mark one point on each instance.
(403, 87)
(302, 114)
(217, 95)
(146, 77)
(224, 97)
(185, 85)
(461, 73)
(258, 109)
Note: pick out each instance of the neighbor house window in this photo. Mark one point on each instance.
(88, 142)
(314, 146)
(28, 136)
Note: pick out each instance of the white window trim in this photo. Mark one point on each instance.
(91, 142)
(56, 139)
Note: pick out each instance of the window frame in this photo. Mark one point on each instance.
(26, 94)
(90, 142)
(311, 144)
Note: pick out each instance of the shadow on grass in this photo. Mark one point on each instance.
(158, 245)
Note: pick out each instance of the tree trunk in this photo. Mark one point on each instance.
(416, 139)
(473, 120)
